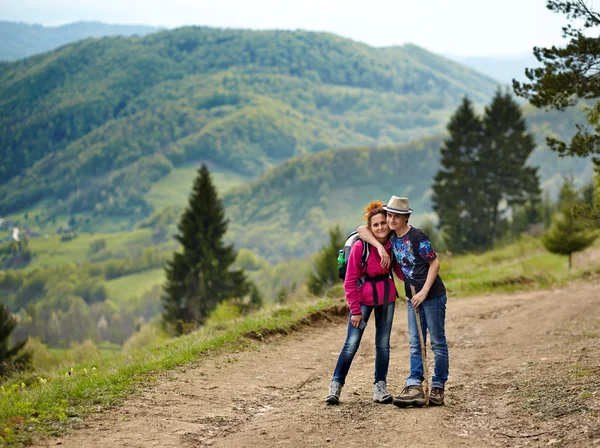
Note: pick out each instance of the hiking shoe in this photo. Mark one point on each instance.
(335, 389)
(410, 396)
(436, 397)
(380, 393)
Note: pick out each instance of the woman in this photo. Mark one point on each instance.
(368, 286)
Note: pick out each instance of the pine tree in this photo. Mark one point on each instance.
(325, 272)
(201, 275)
(506, 146)
(457, 192)
(483, 167)
(569, 74)
(589, 211)
(15, 358)
(568, 233)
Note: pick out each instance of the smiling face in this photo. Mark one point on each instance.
(379, 227)
(395, 221)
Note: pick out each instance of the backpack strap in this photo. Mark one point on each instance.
(392, 276)
(366, 250)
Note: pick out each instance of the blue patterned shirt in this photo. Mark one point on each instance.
(415, 266)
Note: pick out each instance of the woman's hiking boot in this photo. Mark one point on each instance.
(380, 393)
(335, 389)
(410, 396)
(436, 397)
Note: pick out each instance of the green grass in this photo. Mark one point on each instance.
(105, 224)
(523, 265)
(106, 350)
(50, 251)
(49, 404)
(174, 189)
(129, 286)
(31, 211)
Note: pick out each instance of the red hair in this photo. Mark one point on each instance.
(373, 208)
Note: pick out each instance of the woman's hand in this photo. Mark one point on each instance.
(385, 257)
(355, 320)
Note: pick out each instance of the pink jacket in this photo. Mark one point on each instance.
(363, 294)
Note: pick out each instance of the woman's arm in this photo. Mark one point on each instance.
(353, 291)
(366, 235)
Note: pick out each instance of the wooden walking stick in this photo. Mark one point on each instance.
(422, 341)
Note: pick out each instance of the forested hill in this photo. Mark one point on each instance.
(20, 40)
(96, 123)
(287, 211)
(301, 199)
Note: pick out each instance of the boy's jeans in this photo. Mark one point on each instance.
(433, 317)
(382, 344)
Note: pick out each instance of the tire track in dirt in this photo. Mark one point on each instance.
(504, 349)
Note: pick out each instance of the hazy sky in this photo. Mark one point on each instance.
(456, 27)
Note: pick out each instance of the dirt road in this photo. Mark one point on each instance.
(525, 371)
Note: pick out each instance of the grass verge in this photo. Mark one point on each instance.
(50, 404)
(524, 265)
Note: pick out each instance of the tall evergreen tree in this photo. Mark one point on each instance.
(457, 189)
(483, 169)
(14, 358)
(505, 148)
(201, 276)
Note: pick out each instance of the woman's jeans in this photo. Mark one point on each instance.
(433, 316)
(382, 344)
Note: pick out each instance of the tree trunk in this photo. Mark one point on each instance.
(570, 255)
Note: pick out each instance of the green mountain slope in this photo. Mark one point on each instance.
(96, 123)
(20, 40)
(287, 212)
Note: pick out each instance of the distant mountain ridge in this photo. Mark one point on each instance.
(20, 40)
(502, 68)
(96, 123)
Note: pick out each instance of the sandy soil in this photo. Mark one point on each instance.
(525, 371)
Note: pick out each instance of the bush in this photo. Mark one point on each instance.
(97, 245)
(224, 312)
(41, 358)
(68, 237)
(249, 261)
(86, 351)
(335, 291)
(147, 336)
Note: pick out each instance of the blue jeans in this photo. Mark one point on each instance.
(433, 316)
(382, 344)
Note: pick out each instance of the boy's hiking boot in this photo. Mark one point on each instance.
(380, 393)
(436, 397)
(410, 396)
(335, 389)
